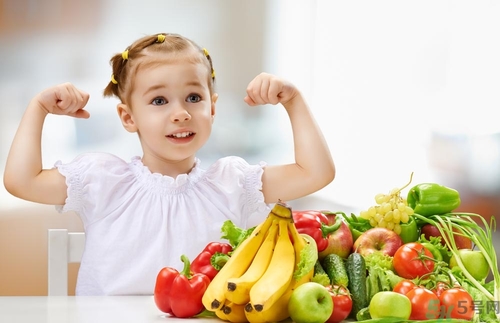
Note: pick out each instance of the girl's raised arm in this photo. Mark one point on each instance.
(314, 167)
(24, 176)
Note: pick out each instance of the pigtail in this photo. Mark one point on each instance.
(207, 55)
(113, 87)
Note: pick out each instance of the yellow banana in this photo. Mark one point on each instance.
(301, 241)
(214, 297)
(271, 286)
(279, 310)
(238, 289)
(231, 312)
(220, 314)
(282, 211)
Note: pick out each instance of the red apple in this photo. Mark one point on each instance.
(339, 242)
(429, 230)
(377, 240)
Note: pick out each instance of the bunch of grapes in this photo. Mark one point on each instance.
(390, 211)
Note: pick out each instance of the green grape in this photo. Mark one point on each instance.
(380, 198)
(389, 216)
(404, 217)
(390, 225)
(390, 210)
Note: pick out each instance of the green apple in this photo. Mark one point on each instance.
(390, 304)
(474, 262)
(310, 303)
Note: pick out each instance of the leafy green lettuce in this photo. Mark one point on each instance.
(233, 234)
(308, 257)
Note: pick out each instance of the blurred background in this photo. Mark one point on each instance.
(397, 87)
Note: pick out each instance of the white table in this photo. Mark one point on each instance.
(85, 309)
(88, 309)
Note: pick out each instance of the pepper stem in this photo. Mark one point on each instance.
(218, 260)
(327, 229)
(186, 271)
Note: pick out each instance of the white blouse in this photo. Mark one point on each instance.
(137, 222)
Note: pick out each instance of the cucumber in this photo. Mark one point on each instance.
(318, 269)
(320, 275)
(356, 271)
(335, 269)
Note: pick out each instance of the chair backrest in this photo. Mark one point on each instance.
(63, 248)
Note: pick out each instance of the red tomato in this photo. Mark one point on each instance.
(424, 304)
(342, 303)
(404, 286)
(439, 288)
(457, 304)
(413, 260)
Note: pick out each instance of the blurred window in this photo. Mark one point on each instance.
(385, 78)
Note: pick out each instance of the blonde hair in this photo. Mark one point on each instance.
(121, 83)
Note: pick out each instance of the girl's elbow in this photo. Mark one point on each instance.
(329, 174)
(332, 172)
(15, 185)
(10, 185)
(327, 179)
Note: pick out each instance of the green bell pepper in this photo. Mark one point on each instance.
(356, 225)
(432, 199)
(409, 231)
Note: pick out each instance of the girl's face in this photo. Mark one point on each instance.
(172, 110)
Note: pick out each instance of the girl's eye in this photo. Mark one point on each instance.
(159, 101)
(193, 98)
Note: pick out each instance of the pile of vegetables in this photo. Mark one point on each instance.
(432, 270)
(435, 268)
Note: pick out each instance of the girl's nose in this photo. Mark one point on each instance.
(181, 115)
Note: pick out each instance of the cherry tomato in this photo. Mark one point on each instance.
(404, 286)
(413, 260)
(424, 304)
(342, 303)
(456, 303)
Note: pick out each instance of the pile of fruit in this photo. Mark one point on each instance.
(405, 259)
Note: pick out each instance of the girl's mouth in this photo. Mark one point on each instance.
(181, 135)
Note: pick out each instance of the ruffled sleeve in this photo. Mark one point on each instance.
(241, 185)
(90, 178)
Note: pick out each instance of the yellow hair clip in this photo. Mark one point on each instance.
(205, 51)
(161, 38)
(125, 55)
(113, 79)
(213, 73)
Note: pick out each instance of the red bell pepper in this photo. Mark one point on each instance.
(211, 259)
(315, 224)
(180, 293)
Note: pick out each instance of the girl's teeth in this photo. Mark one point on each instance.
(181, 135)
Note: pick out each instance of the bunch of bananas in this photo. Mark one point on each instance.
(256, 283)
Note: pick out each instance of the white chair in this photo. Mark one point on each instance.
(63, 248)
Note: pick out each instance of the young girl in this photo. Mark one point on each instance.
(142, 215)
